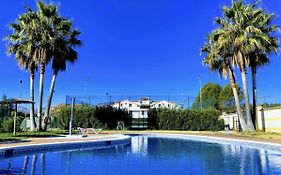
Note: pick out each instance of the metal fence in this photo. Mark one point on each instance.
(184, 101)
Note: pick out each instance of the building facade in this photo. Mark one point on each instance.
(139, 109)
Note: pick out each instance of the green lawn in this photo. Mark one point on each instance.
(25, 135)
(261, 134)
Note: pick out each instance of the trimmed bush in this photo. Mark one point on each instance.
(193, 120)
(89, 117)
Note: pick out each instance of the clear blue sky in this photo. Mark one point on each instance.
(134, 47)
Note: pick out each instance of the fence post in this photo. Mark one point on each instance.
(71, 115)
(262, 118)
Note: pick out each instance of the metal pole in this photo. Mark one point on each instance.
(107, 97)
(200, 96)
(20, 93)
(71, 115)
(20, 87)
(15, 120)
(188, 101)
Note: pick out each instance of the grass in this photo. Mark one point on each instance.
(271, 108)
(24, 135)
(261, 134)
(8, 137)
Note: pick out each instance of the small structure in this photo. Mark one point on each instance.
(231, 121)
(16, 101)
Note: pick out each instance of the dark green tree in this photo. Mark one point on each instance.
(227, 100)
(210, 97)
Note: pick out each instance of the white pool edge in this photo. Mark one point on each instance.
(64, 145)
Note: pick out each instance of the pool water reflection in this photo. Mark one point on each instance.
(149, 155)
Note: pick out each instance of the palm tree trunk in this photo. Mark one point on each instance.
(237, 101)
(32, 117)
(254, 88)
(48, 107)
(41, 87)
(250, 125)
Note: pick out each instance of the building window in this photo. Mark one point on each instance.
(159, 105)
(130, 105)
(142, 112)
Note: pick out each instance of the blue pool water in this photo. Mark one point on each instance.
(147, 156)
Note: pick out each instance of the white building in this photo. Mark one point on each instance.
(139, 109)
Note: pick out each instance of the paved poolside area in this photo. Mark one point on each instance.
(222, 135)
(49, 140)
(113, 135)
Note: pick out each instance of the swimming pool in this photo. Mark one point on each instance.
(150, 155)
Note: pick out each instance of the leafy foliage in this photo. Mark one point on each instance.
(5, 109)
(194, 120)
(226, 98)
(7, 123)
(210, 97)
(89, 117)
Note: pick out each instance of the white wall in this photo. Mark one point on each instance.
(231, 120)
(269, 120)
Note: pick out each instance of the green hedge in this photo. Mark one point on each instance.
(89, 117)
(193, 120)
(7, 123)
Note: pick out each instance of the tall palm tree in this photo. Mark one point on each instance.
(45, 34)
(218, 59)
(23, 47)
(260, 57)
(238, 35)
(256, 60)
(245, 36)
(63, 53)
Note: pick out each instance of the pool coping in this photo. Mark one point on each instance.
(102, 142)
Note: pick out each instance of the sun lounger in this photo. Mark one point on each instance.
(87, 130)
(82, 130)
(96, 131)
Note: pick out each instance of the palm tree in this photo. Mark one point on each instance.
(260, 57)
(40, 33)
(218, 59)
(237, 34)
(256, 60)
(244, 35)
(45, 33)
(23, 47)
(63, 53)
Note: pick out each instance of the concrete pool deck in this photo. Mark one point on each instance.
(112, 135)
(50, 140)
(219, 135)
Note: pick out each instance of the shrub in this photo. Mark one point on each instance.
(7, 125)
(7, 122)
(194, 120)
(88, 117)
